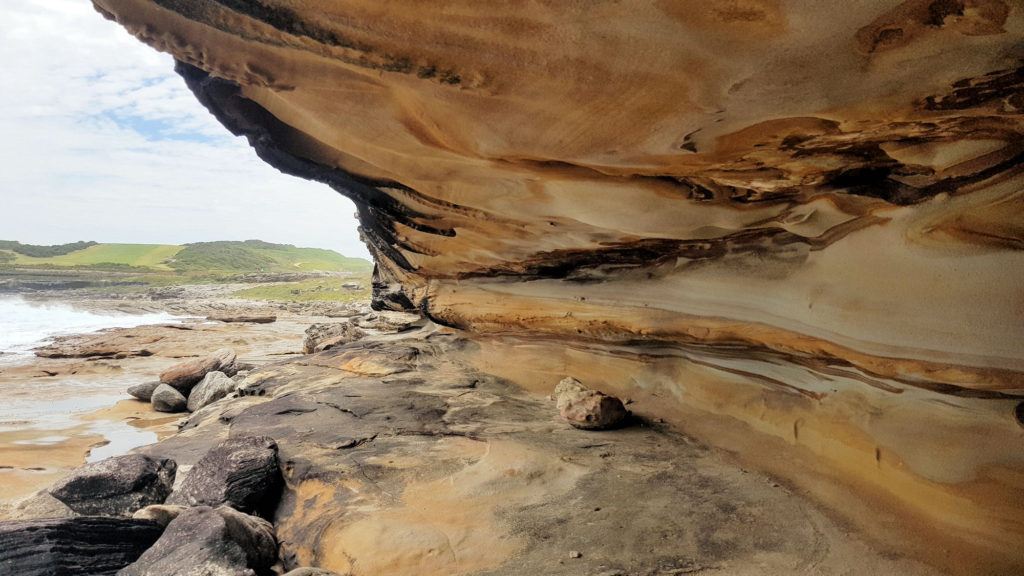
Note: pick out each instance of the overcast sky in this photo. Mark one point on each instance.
(101, 140)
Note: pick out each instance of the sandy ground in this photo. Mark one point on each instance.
(33, 459)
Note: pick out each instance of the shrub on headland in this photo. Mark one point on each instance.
(36, 251)
(219, 256)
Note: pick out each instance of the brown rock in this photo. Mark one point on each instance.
(588, 409)
(323, 336)
(182, 377)
(162, 514)
(244, 318)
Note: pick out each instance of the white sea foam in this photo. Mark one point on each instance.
(25, 325)
(56, 403)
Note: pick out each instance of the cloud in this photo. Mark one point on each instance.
(100, 140)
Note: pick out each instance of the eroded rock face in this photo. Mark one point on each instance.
(324, 336)
(798, 227)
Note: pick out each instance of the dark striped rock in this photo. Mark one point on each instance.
(117, 486)
(243, 473)
(209, 542)
(73, 546)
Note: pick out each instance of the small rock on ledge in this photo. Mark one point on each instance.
(588, 409)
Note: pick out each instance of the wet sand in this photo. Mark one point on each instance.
(32, 459)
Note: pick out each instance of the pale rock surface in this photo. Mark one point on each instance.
(144, 391)
(214, 386)
(168, 399)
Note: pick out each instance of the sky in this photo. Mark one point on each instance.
(101, 140)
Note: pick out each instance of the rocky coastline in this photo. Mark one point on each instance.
(110, 361)
(377, 443)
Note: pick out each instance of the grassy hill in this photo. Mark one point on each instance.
(259, 256)
(197, 258)
(140, 255)
(284, 272)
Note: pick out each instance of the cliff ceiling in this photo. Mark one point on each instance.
(801, 219)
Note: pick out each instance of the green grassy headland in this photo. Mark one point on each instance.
(140, 266)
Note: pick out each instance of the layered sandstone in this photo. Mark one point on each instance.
(794, 229)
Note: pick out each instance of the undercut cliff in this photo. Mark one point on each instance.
(793, 230)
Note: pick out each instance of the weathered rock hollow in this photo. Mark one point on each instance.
(793, 230)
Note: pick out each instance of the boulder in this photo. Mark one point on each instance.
(144, 391)
(209, 542)
(588, 409)
(40, 505)
(168, 399)
(73, 546)
(162, 514)
(213, 387)
(322, 336)
(117, 486)
(243, 473)
(182, 377)
(388, 321)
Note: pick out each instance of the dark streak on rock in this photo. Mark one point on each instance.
(574, 264)
(974, 92)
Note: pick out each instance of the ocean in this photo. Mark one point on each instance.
(56, 403)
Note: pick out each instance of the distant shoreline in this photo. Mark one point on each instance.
(33, 457)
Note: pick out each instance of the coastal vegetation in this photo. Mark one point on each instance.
(37, 251)
(281, 271)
